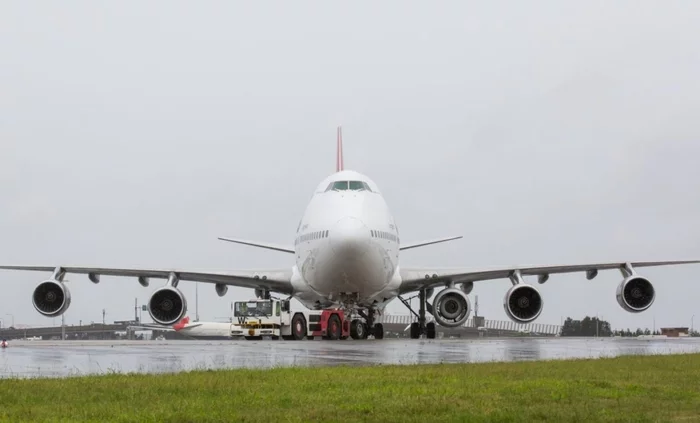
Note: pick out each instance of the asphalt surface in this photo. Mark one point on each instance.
(72, 358)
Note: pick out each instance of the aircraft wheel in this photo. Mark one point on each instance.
(334, 330)
(358, 330)
(430, 328)
(298, 327)
(378, 331)
(415, 330)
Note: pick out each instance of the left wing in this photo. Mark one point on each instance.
(272, 280)
(413, 279)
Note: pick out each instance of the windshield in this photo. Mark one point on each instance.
(252, 308)
(348, 185)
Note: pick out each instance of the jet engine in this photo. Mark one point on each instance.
(635, 294)
(167, 306)
(51, 298)
(451, 307)
(523, 303)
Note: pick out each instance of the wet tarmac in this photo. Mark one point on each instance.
(72, 358)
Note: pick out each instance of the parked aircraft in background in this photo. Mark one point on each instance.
(196, 330)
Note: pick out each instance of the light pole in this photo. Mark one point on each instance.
(13, 318)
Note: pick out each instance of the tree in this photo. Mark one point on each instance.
(589, 326)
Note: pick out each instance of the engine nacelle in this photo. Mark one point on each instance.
(167, 306)
(523, 303)
(262, 294)
(51, 298)
(466, 287)
(635, 294)
(221, 289)
(451, 307)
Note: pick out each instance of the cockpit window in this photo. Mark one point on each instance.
(338, 186)
(348, 185)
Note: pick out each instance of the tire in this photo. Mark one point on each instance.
(358, 330)
(298, 327)
(415, 330)
(334, 329)
(378, 331)
(430, 328)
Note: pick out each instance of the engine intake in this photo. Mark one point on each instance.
(167, 306)
(451, 307)
(523, 303)
(51, 298)
(635, 294)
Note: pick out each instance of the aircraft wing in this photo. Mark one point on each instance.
(413, 279)
(272, 280)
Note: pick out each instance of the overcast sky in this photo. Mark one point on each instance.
(135, 133)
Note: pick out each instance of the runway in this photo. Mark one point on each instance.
(73, 358)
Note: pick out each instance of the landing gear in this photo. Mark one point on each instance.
(358, 329)
(430, 330)
(421, 326)
(378, 331)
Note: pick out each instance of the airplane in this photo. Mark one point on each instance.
(347, 256)
(197, 330)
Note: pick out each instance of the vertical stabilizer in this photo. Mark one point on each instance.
(339, 157)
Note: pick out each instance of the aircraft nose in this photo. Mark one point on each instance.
(349, 237)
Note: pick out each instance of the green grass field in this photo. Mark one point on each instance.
(631, 388)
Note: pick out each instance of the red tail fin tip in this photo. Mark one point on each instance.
(339, 157)
(181, 324)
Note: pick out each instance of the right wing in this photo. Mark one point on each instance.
(273, 280)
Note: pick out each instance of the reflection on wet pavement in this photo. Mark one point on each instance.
(68, 358)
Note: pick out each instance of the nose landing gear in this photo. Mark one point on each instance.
(361, 330)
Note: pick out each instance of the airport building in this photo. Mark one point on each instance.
(674, 332)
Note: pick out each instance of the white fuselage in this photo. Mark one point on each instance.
(346, 246)
(206, 330)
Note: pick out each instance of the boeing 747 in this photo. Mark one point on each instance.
(347, 257)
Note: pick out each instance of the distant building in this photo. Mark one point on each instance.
(674, 332)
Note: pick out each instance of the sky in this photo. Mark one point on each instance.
(136, 133)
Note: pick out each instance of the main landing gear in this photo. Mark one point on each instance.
(361, 330)
(421, 327)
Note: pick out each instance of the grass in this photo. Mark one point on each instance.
(623, 389)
